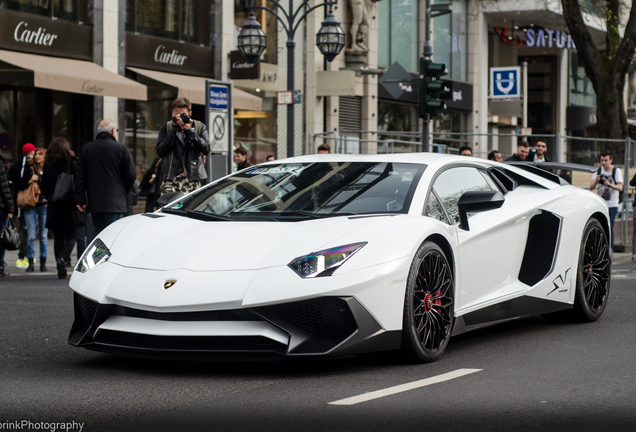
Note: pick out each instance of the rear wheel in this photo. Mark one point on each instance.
(593, 274)
(428, 305)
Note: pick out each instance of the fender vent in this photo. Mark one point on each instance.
(543, 235)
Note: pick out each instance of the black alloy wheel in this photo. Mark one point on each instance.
(428, 305)
(594, 272)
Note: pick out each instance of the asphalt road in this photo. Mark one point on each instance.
(529, 375)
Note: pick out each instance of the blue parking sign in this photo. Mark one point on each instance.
(218, 98)
(504, 82)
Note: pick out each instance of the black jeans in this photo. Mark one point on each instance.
(64, 242)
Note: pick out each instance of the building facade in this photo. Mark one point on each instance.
(69, 64)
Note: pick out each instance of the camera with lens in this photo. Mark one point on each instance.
(185, 118)
(603, 178)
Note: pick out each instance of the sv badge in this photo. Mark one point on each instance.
(559, 283)
(169, 283)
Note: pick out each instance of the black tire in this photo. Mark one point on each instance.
(593, 273)
(428, 305)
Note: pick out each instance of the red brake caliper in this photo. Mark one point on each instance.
(428, 301)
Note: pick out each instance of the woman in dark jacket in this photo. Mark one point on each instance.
(6, 210)
(147, 186)
(61, 218)
(32, 172)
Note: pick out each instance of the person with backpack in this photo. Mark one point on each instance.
(609, 180)
(183, 144)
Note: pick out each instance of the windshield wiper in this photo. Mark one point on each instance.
(195, 214)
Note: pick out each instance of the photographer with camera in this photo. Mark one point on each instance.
(609, 180)
(183, 144)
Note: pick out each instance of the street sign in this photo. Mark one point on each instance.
(284, 97)
(219, 120)
(219, 98)
(505, 82)
(298, 96)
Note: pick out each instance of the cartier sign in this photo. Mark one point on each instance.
(241, 68)
(21, 31)
(173, 57)
(23, 34)
(149, 52)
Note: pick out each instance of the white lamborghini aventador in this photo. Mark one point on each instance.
(343, 254)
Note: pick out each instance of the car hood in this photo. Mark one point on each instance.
(165, 242)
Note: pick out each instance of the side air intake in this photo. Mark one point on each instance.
(543, 236)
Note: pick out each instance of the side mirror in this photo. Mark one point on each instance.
(166, 199)
(477, 201)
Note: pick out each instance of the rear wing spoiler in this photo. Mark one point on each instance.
(545, 169)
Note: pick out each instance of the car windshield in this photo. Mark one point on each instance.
(305, 191)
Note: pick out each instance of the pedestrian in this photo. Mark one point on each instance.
(63, 217)
(240, 158)
(495, 156)
(270, 158)
(538, 154)
(465, 151)
(523, 149)
(35, 217)
(183, 144)
(609, 180)
(147, 186)
(6, 210)
(632, 182)
(104, 176)
(324, 149)
(14, 174)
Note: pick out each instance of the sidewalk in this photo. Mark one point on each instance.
(10, 257)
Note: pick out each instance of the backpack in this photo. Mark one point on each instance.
(605, 193)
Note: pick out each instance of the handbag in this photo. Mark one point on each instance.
(64, 187)
(9, 237)
(28, 197)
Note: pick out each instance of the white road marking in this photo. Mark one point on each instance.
(404, 387)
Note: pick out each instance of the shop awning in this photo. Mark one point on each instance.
(193, 88)
(74, 76)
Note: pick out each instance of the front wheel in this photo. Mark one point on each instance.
(428, 305)
(593, 274)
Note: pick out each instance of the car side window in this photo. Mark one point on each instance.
(434, 209)
(452, 183)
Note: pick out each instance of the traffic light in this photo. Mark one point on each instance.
(431, 87)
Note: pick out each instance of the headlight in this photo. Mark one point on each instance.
(323, 263)
(95, 254)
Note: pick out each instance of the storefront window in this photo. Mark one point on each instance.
(62, 9)
(449, 40)
(580, 89)
(256, 131)
(399, 20)
(183, 20)
(17, 122)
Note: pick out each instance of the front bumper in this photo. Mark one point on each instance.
(320, 326)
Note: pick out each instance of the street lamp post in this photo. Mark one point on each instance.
(330, 40)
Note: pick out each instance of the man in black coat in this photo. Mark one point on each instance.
(105, 175)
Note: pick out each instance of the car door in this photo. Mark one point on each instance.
(489, 253)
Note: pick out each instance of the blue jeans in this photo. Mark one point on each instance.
(30, 216)
(3, 221)
(102, 220)
(612, 214)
